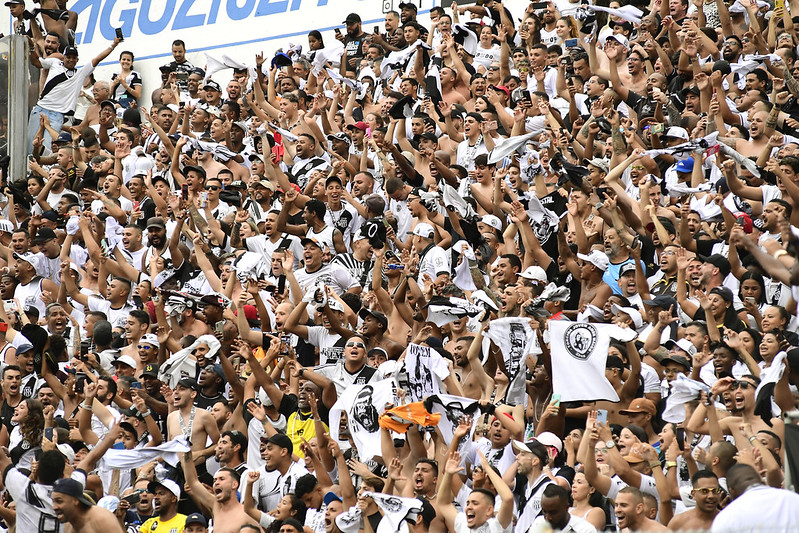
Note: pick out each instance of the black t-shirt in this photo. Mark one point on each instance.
(6, 412)
(354, 45)
(206, 402)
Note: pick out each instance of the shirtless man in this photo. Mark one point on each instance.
(228, 512)
(187, 420)
(78, 513)
(474, 379)
(706, 493)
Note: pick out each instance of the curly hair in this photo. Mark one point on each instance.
(32, 426)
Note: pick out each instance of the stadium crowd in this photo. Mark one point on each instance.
(472, 271)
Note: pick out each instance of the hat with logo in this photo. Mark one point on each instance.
(125, 360)
(596, 258)
(352, 18)
(150, 369)
(32, 259)
(211, 84)
(43, 235)
(151, 339)
(360, 125)
(682, 344)
(686, 165)
(639, 405)
(196, 518)
(626, 268)
(599, 163)
(425, 230)
(311, 240)
(70, 51)
(493, 221)
(662, 301)
(634, 314)
(535, 273)
(340, 136)
(72, 487)
(189, 383)
(168, 484)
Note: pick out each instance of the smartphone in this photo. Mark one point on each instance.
(203, 199)
(181, 76)
(555, 400)
(133, 498)
(48, 433)
(526, 96)
(540, 5)
(570, 43)
(10, 305)
(135, 385)
(377, 29)
(119, 35)
(184, 191)
(136, 205)
(104, 246)
(138, 302)
(739, 221)
(600, 192)
(219, 326)
(602, 416)
(337, 30)
(281, 284)
(750, 300)
(80, 382)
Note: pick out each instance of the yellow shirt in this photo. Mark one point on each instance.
(298, 429)
(155, 525)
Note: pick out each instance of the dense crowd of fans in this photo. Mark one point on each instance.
(482, 271)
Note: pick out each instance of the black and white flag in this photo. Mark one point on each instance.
(452, 409)
(579, 353)
(426, 370)
(516, 340)
(363, 405)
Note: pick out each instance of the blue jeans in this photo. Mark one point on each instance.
(56, 121)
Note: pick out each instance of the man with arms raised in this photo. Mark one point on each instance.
(193, 423)
(228, 512)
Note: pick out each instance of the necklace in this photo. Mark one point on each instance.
(536, 414)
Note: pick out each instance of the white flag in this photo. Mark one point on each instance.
(579, 353)
(516, 340)
(363, 405)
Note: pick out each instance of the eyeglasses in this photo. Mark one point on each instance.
(745, 40)
(745, 385)
(212, 188)
(709, 490)
(637, 167)
(356, 344)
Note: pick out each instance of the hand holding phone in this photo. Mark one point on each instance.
(119, 35)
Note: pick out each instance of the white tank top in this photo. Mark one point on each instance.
(325, 237)
(29, 295)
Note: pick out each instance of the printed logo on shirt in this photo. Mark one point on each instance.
(580, 340)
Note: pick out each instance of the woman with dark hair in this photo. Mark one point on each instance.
(588, 503)
(315, 42)
(289, 507)
(777, 317)
(752, 293)
(26, 436)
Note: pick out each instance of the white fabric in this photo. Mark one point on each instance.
(759, 509)
(683, 390)
(426, 371)
(127, 459)
(516, 340)
(394, 508)
(363, 404)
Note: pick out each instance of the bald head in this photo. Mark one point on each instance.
(740, 477)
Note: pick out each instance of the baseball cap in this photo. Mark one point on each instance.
(72, 487)
(409, 5)
(340, 136)
(746, 223)
(168, 484)
(500, 88)
(280, 439)
(14, 3)
(151, 339)
(724, 292)
(70, 51)
(492, 221)
(156, 222)
(6, 226)
(266, 184)
(634, 457)
(625, 24)
(331, 497)
(662, 301)
(360, 125)
(536, 448)
(32, 259)
(195, 168)
(377, 315)
(686, 165)
(677, 132)
(311, 240)
(596, 258)
(333, 179)
(425, 230)
(621, 39)
(679, 359)
(125, 360)
(682, 344)
(196, 518)
(189, 383)
(151, 370)
(211, 84)
(625, 268)
(599, 163)
(535, 273)
(720, 262)
(634, 314)
(547, 438)
(108, 103)
(44, 235)
(352, 18)
(640, 405)
(243, 127)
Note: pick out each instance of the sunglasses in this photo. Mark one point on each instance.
(709, 490)
(493, 68)
(742, 385)
(145, 347)
(356, 344)
(213, 188)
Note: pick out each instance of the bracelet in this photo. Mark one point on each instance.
(779, 253)
(752, 439)
(146, 413)
(671, 464)
(654, 464)
(88, 408)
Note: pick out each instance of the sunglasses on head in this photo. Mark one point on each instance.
(356, 344)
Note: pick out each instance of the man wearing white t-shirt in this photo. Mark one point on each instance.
(60, 93)
(478, 514)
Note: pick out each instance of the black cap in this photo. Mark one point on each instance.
(196, 518)
(280, 439)
(409, 5)
(188, 383)
(213, 85)
(352, 18)
(151, 370)
(333, 179)
(70, 51)
(377, 315)
(195, 168)
(71, 487)
(679, 359)
(724, 292)
(44, 235)
(107, 103)
(662, 301)
(156, 222)
(720, 262)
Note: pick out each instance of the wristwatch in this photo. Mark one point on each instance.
(610, 444)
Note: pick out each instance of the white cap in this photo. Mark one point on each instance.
(548, 438)
(535, 273)
(634, 314)
(35, 261)
(619, 38)
(125, 359)
(6, 226)
(359, 235)
(678, 133)
(596, 258)
(423, 229)
(492, 221)
(67, 451)
(151, 339)
(335, 305)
